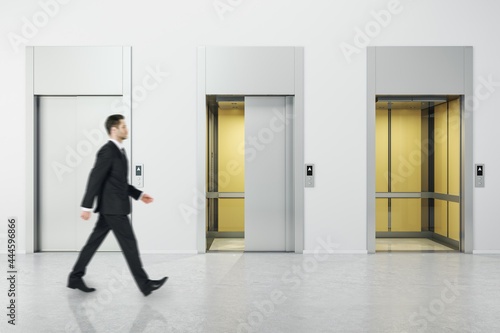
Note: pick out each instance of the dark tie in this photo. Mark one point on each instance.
(123, 153)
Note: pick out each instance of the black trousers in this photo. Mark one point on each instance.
(122, 229)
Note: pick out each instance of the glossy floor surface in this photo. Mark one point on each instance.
(261, 292)
(409, 245)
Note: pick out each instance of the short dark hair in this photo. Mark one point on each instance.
(113, 121)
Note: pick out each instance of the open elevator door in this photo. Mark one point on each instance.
(250, 184)
(268, 176)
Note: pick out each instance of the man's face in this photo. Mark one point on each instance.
(122, 130)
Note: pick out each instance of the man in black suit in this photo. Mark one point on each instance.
(108, 182)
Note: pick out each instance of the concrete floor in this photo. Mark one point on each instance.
(262, 292)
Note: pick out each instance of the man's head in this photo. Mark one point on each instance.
(116, 127)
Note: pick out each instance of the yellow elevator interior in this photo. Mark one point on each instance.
(225, 169)
(418, 166)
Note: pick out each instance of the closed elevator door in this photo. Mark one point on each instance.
(71, 131)
(267, 174)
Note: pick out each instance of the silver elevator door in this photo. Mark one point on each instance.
(71, 131)
(268, 225)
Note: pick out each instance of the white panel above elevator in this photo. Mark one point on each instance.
(78, 70)
(412, 70)
(250, 70)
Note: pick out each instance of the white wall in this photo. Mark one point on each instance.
(164, 36)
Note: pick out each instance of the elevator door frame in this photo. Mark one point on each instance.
(255, 71)
(213, 194)
(69, 71)
(421, 71)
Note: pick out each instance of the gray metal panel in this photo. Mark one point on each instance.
(405, 234)
(126, 107)
(57, 182)
(201, 131)
(420, 70)
(298, 151)
(398, 195)
(225, 234)
(370, 150)
(238, 195)
(265, 201)
(289, 214)
(440, 196)
(250, 70)
(423, 195)
(31, 179)
(71, 133)
(63, 70)
(467, 171)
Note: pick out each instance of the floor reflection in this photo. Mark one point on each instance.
(146, 320)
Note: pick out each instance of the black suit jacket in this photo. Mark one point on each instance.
(109, 183)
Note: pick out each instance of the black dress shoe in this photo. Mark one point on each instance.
(152, 285)
(79, 284)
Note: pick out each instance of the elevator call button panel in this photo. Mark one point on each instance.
(479, 175)
(309, 175)
(139, 175)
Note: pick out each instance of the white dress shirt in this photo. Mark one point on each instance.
(117, 143)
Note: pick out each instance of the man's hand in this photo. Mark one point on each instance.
(146, 198)
(85, 215)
